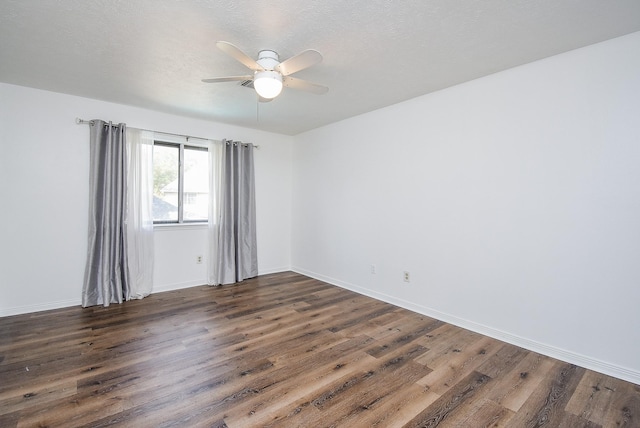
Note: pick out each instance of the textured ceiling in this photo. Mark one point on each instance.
(153, 53)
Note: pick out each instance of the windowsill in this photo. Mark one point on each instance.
(165, 227)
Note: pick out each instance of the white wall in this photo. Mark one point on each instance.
(512, 200)
(44, 174)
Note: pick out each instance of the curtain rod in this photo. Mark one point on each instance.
(90, 122)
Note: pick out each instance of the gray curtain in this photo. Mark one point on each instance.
(106, 277)
(237, 253)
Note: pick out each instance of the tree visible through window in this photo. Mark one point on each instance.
(180, 183)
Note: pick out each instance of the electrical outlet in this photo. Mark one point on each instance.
(199, 259)
(374, 270)
(407, 278)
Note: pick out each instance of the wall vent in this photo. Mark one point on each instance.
(247, 84)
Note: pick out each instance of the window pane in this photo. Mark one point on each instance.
(165, 183)
(196, 184)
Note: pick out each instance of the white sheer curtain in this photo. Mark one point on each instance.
(216, 157)
(139, 216)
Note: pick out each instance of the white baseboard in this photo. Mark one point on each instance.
(273, 270)
(27, 309)
(177, 286)
(196, 283)
(604, 367)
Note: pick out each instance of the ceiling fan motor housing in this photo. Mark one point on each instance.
(268, 59)
(268, 83)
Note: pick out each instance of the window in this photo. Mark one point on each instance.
(180, 183)
(190, 198)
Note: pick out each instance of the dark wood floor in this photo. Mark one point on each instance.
(285, 350)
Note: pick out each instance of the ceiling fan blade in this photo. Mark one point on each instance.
(227, 79)
(299, 62)
(314, 88)
(236, 53)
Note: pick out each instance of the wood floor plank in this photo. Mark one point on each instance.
(454, 398)
(504, 360)
(513, 388)
(284, 350)
(403, 335)
(546, 406)
(460, 365)
(371, 396)
(294, 395)
(408, 401)
(606, 401)
(445, 342)
(39, 396)
(479, 413)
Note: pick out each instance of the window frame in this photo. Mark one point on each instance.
(181, 148)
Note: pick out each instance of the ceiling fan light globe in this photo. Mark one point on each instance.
(268, 84)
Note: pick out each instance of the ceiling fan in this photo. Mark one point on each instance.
(269, 74)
